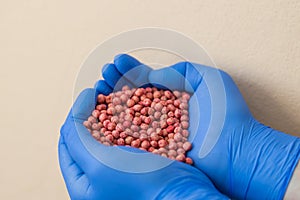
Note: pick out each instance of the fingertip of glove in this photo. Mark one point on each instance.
(102, 87)
(119, 56)
(125, 58)
(106, 67)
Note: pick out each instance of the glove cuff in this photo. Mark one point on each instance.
(191, 188)
(276, 158)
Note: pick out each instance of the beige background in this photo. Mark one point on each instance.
(43, 43)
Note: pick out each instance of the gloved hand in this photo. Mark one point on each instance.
(94, 171)
(244, 158)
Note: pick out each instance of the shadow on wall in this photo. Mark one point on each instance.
(266, 109)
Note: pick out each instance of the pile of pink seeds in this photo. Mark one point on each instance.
(146, 118)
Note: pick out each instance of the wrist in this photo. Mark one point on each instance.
(277, 156)
(194, 187)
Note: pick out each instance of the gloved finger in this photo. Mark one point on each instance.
(113, 77)
(181, 76)
(102, 87)
(133, 70)
(72, 173)
(76, 135)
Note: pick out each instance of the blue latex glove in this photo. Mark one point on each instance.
(94, 171)
(244, 158)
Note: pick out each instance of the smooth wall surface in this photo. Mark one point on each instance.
(43, 43)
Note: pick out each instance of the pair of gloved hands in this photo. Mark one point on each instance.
(233, 153)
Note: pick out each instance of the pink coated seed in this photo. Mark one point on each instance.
(130, 103)
(95, 126)
(128, 140)
(183, 106)
(180, 157)
(187, 146)
(154, 136)
(116, 101)
(111, 126)
(123, 98)
(154, 143)
(170, 114)
(177, 93)
(184, 124)
(170, 121)
(170, 129)
(147, 120)
(105, 123)
(145, 144)
(128, 117)
(135, 99)
(149, 95)
(87, 124)
(102, 117)
(101, 107)
(143, 136)
(137, 120)
(156, 94)
(171, 135)
(92, 119)
(177, 137)
(123, 135)
(111, 111)
(151, 149)
(115, 133)
(184, 118)
(136, 143)
(109, 138)
(137, 107)
(177, 103)
(185, 96)
(189, 161)
(126, 124)
(119, 108)
(158, 107)
(168, 94)
(121, 141)
(172, 153)
(114, 119)
(144, 126)
(163, 150)
(136, 134)
(163, 124)
(180, 151)
(96, 113)
(185, 133)
(177, 129)
(172, 145)
(134, 128)
(144, 110)
(157, 115)
(162, 143)
(101, 98)
(147, 102)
